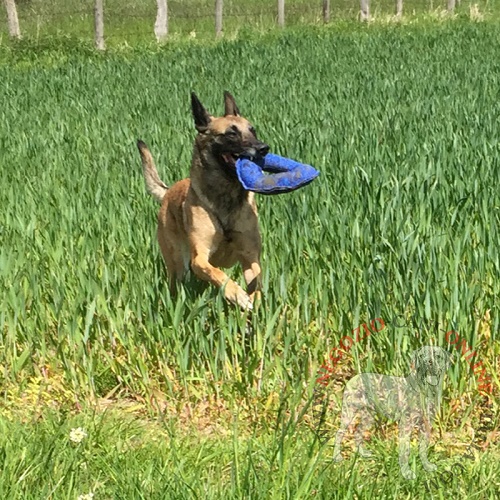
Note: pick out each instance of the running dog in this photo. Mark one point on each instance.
(209, 220)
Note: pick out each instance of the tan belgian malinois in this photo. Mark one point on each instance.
(209, 220)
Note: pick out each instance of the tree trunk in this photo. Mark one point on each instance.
(281, 13)
(99, 25)
(451, 6)
(399, 8)
(161, 24)
(12, 19)
(365, 10)
(326, 11)
(218, 18)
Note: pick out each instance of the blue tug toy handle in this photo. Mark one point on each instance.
(286, 175)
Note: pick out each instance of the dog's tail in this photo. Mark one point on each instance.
(155, 186)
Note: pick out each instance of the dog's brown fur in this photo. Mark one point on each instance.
(209, 220)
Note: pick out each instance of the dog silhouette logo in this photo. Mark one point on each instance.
(412, 401)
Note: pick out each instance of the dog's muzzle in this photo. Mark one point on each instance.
(255, 153)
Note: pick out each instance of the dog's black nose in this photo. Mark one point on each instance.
(262, 149)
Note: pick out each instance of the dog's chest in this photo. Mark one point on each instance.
(234, 215)
(226, 253)
(239, 233)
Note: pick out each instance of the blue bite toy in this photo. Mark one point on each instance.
(286, 175)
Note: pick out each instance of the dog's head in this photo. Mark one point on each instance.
(228, 137)
(431, 363)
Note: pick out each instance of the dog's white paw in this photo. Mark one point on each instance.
(235, 294)
(244, 301)
(429, 467)
(407, 473)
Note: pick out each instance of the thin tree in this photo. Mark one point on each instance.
(161, 24)
(99, 25)
(451, 6)
(365, 10)
(218, 17)
(326, 11)
(281, 13)
(12, 19)
(399, 8)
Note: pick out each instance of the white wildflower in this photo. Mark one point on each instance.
(87, 496)
(77, 435)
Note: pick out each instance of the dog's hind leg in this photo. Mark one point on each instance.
(365, 423)
(347, 416)
(339, 437)
(176, 258)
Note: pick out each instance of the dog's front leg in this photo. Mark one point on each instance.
(204, 270)
(248, 244)
(252, 274)
(404, 448)
(423, 446)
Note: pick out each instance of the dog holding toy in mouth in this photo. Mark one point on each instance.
(209, 220)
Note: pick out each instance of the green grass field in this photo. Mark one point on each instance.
(184, 397)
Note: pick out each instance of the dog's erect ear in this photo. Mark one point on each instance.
(200, 114)
(230, 106)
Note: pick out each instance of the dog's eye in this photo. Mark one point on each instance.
(252, 131)
(232, 133)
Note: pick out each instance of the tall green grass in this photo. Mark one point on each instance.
(402, 122)
(404, 219)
